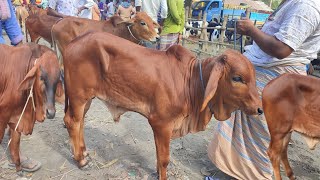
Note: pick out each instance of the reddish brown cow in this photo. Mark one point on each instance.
(21, 15)
(21, 68)
(39, 26)
(33, 9)
(165, 87)
(291, 103)
(140, 28)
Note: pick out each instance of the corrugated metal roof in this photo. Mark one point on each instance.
(257, 5)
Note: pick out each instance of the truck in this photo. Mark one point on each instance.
(217, 9)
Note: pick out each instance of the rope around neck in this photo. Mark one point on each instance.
(133, 35)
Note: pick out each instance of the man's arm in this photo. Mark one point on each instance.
(52, 12)
(298, 25)
(52, 5)
(269, 44)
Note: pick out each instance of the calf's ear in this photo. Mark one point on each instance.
(59, 91)
(213, 81)
(29, 79)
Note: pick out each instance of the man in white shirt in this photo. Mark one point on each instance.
(85, 9)
(62, 8)
(152, 8)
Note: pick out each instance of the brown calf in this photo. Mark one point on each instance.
(20, 68)
(33, 9)
(163, 86)
(291, 102)
(140, 28)
(39, 26)
(21, 15)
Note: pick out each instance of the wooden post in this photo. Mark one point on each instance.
(204, 34)
(186, 14)
(190, 11)
(223, 31)
(199, 15)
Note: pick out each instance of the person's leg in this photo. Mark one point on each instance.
(12, 27)
(2, 41)
(167, 41)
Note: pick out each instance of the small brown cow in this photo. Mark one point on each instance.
(175, 92)
(39, 26)
(21, 15)
(23, 67)
(33, 9)
(291, 102)
(140, 28)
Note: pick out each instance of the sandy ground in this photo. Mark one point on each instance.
(126, 150)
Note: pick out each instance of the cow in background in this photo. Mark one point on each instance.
(29, 66)
(138, 29)
(291, 103)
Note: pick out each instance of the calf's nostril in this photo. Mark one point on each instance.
(260, 111)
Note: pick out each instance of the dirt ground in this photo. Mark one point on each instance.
(126, 150)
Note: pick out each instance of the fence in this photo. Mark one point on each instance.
(202, 47)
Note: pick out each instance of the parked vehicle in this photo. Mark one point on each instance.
(217, 9)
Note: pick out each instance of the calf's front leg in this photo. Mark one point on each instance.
(162, 137)
(15, 148)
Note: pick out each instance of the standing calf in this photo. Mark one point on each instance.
(291, 102)
(177, 93)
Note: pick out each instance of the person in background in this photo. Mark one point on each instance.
(85, 9)
(110, 10)
(95, 11)
(9, 23)
(101, 8)
(173, 25)
(287, 43)
(62, 8)
(152, 8)
(125, 10)
(44, 4)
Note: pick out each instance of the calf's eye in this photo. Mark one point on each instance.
(237, 79)
(143, 23)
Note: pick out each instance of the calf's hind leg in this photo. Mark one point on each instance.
(72, 119)
(82, 143)
(284, 157)
(275, 151)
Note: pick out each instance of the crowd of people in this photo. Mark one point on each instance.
(287, 43)
(169, 15)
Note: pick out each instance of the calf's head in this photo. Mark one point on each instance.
(231, 86)
(144, 28)
(44, 77)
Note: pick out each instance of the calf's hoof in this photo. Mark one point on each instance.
(87, 166)
(20, 173)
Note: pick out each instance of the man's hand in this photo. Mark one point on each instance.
(81, 9)
(245, 26)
